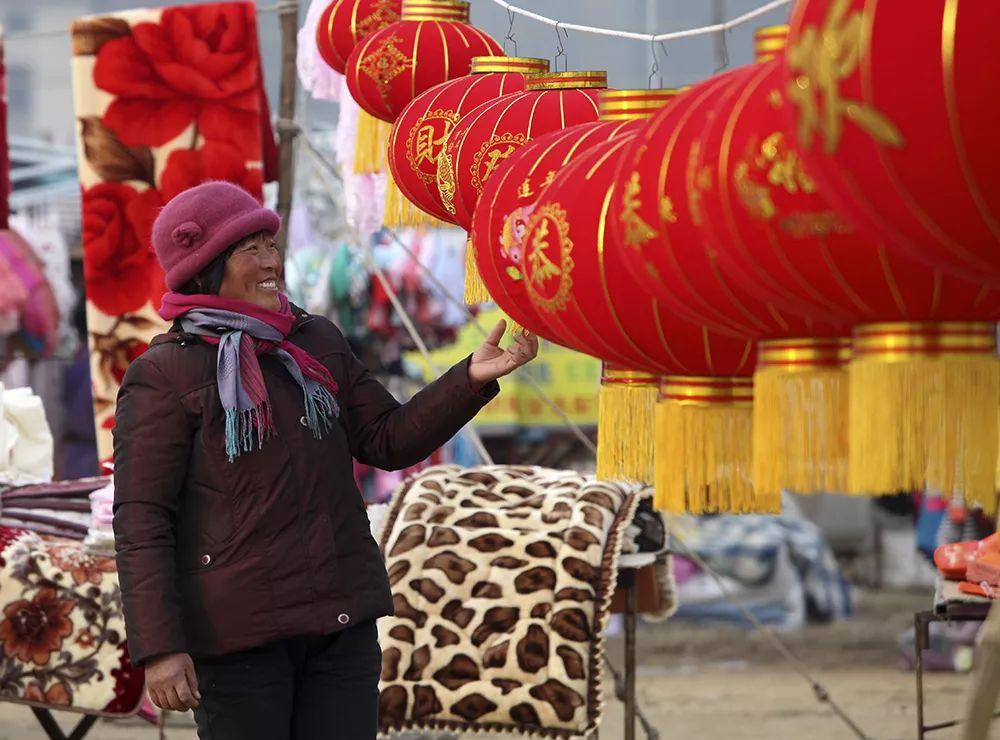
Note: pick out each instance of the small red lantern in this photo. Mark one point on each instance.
(419, 134)
(430, 44)
(491, 133)
(891, 110)
(343, 23)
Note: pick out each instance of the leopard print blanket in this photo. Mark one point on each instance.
(502, 579)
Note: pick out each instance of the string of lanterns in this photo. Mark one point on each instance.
(790, 269)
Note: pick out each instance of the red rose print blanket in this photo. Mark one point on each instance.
(62, 632)
(165, 99)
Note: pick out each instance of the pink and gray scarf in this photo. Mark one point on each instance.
(243, 331)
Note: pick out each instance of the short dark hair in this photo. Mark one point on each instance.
(209, 280)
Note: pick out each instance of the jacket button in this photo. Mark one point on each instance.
(303, 421)
(343, 619)
(206, 559)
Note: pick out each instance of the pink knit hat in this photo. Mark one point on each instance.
(198, 225)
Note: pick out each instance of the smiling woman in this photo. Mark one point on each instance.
(249, 270)
(235, 550)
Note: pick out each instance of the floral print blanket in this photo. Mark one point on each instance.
(62, 631)
(165, 99)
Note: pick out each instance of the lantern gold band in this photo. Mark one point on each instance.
(697, 391)
(803, 355)
(481, 65)
(634, 378)
(435, 10)
(902, 341)
(626, 105)
(769, 41)
(567, 80)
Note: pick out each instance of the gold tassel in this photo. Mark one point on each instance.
(626, 407)
(924, 410)
(704, 439)
(370, 144)
(401, 212)
(475, 288)
(800, 416)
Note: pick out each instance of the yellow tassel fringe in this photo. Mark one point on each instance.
(401, 212)
(625, 432)
(370, 144)
(704, 454)
(800, 430)
(475, 288)
(925, 420)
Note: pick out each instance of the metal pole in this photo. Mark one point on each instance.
(631, 607)
(288, 16)
(919, 625)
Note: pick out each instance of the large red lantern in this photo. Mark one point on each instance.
(483, 141)
(507, 200)
(430, 44)
(890, 107)
(764, 233)
(577, 283)
(343, 23)
(419, 134)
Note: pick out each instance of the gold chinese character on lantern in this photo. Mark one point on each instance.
(783, 165)
(637, 231)
(524, 190)
(819, 61)
(428, 144)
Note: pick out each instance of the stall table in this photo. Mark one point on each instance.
(950, 605)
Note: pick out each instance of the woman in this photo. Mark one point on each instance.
(250, 581)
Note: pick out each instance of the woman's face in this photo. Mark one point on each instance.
(253, 272)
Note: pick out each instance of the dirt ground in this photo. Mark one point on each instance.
(701, 684)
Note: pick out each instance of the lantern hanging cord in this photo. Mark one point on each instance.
(331, 169)
(560, 50)
(672, 35)
(510, 33)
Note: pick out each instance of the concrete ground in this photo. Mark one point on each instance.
(701, 684)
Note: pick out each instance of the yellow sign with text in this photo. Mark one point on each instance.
(571, 379)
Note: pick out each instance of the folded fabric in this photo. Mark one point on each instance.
(954, 558)
(985, 569)
(62, 628)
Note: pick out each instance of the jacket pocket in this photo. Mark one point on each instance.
(205, 526)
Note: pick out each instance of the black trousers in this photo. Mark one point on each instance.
(302, 688)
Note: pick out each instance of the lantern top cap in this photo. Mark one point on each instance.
(435, 10)
(769, 41)
(526, 65)
(567, 80)
(630, 105)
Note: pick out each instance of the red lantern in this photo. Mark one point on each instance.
(344, 23)
(890, 107)
(774, 234)
(507, 200)
(485, 138)
(577, 283)
(419, 134)
(430, 44)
